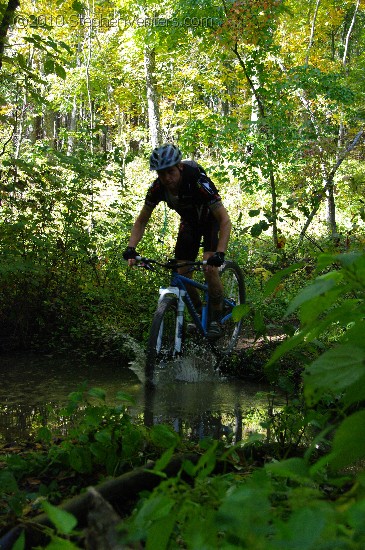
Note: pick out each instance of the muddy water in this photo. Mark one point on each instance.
(190, 395)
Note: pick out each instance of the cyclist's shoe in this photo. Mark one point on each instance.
(214, 330)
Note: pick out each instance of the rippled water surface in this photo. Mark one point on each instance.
(189, 394)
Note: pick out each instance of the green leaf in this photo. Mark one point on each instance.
(355, 334)
(273, 282)
(60, 71)
(122, 396)
(104, 437)
(162, 436)
(155, 508)
(163, 461)
(355, 392)
(321, 285)
(207, 461)
(253, 213)
(349, 442)
(49, 65)
(324, 260)
(256, 230)
(8, 482)
(99, 451)
(292, 468)
(240, 311)
(160, 532)
(259, 324)
(310, 312)
(80, 460)
(78, 6)
(307, 527)
(62, 520)
(334, 371)
(19, 543)
(44, 434)
(61, 544)
(286, 346)
(98, 393)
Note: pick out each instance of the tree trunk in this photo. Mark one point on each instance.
(5, 24)
(258, 113)
(331, 208)
(329, 188)
(72, 125)
(311, 38)
(152, 98)
(35, 129)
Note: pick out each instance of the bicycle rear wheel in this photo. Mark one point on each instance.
(234, 294)
(161, 340)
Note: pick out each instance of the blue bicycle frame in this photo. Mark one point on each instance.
(178, 287)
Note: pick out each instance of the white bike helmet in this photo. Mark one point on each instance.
(164, 157)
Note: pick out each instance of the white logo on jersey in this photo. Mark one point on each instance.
(206, 186)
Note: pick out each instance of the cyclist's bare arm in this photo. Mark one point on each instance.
(139, 227)
(222, 217)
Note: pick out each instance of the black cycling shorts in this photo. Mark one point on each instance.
(189, 239)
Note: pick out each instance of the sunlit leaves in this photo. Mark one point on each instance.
(250, 22)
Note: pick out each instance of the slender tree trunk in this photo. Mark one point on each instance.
(152, 97)
(331, 203)
(5, 24)
(311, 38)
(348, 36)
(72, 128)
(36, 130)
(258, 111)
(49, 126)
(18, 136)
(331, 208)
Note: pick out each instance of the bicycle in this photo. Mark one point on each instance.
(167, 332)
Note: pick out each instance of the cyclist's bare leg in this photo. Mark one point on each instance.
(215, 288)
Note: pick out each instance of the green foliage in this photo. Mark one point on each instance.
(285, 504)
(101, 441)
(278, 506)
(62, 520)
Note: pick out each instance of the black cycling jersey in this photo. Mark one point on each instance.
(197, 193)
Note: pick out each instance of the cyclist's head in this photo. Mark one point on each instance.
(165, 156)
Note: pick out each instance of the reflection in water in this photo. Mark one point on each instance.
(189, 395)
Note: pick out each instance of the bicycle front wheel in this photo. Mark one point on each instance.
(234, 294)
(161, 340)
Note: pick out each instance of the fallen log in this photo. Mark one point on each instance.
(121, 493)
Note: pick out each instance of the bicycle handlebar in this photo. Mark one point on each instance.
(170, 264)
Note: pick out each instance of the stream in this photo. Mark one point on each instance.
(189, 395)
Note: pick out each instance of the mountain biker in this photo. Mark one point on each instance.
(185, 187)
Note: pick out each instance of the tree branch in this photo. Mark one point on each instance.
(342, 156)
